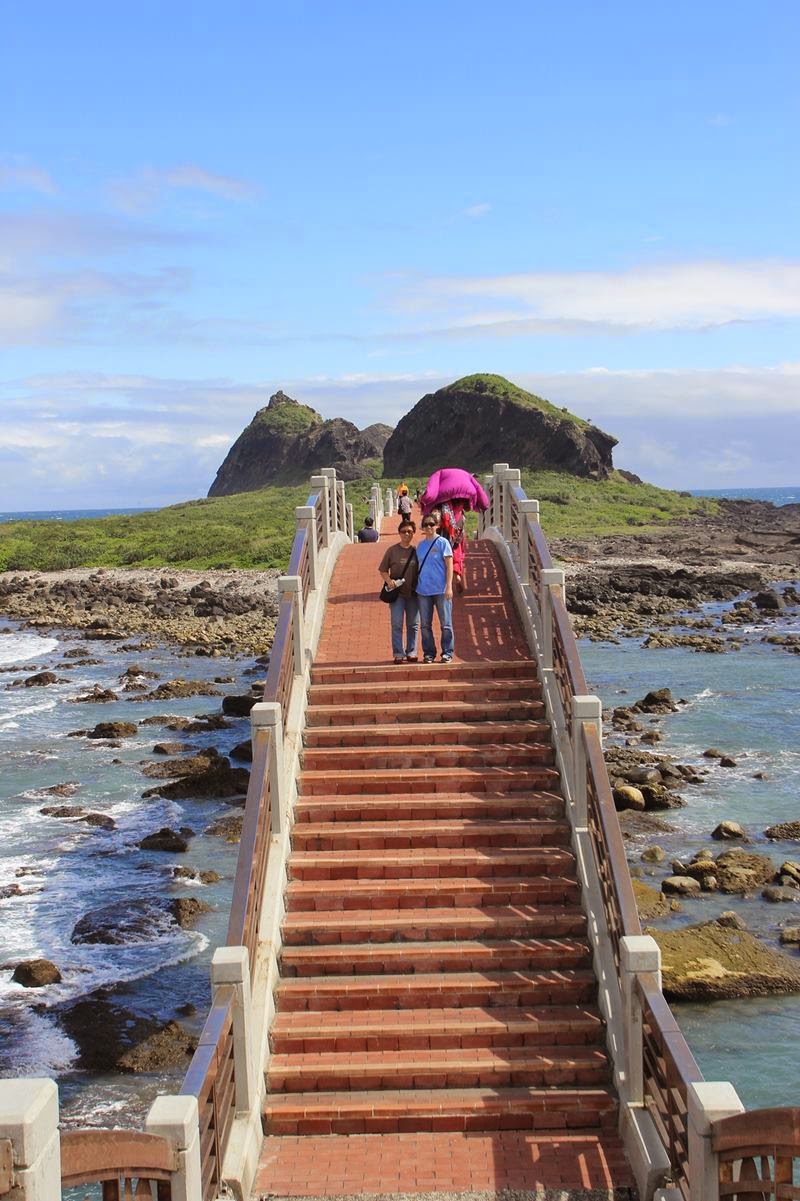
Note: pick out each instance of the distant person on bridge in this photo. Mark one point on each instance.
(368, 533)
(398, 567)
(452, 491)
(435, 590)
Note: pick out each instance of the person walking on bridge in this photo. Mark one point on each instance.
(398, 569)
(435, 590)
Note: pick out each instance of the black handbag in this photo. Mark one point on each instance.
(390, 595)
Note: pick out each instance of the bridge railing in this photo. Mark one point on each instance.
(687, 1138)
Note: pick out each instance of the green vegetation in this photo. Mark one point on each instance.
(499, 386)
(256, 529)
(289, 419)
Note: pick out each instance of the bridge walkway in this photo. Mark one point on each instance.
(413, 1052)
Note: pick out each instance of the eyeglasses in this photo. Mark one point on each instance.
(429, 525)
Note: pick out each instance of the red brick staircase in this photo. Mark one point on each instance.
(435, 972)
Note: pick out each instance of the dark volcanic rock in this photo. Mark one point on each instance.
(286, 441)
(164, 840)
(41, 679)
(113, 729)
(129, 1042)
(238, 706)
(186, 910)
(218, 780)
(36, 973)
(475, 420)
(122, 923)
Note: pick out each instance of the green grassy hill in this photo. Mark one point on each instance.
(255, 529)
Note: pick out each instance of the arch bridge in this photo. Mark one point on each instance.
(434, 977)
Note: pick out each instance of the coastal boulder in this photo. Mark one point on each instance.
(712, 962)
(36, 973)
(113, 729)
(476, 419)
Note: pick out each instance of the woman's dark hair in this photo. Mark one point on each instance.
(407, 522)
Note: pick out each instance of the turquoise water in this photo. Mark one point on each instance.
(746, 703)
(68, 514)
(777, 496)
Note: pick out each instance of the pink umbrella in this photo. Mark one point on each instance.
(453, 483)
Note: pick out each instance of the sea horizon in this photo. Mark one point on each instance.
(785, 495)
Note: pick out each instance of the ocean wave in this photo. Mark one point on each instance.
(22, 645)
(42, 707)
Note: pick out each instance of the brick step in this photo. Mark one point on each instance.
(438, 990)
(430, 864)
(391, 958)
(456, 1067)
(446, 894)
(432, 805)
(428, 733)
(380, 672)
(439, 689)
(420, 1029)
(418, 754)
(405, 712)
(420, 925)
(467, 1109)
(441, 832)
(402, 781)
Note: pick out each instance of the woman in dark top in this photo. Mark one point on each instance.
(400, 562)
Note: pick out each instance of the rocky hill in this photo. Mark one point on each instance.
(484, 419)
(286, 442)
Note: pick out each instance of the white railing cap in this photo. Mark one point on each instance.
(266, 713)
(709, 1100)
(174, 1117)
(290, 583)
(230, 965)
(639, 953)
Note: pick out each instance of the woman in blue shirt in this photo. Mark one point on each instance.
(435, 590)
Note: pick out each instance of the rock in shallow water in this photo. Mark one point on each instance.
(36, 973)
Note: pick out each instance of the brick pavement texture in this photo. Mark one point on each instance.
(392, 1164)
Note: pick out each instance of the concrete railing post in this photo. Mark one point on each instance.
(267, 715)
(528, 510)
(508, 479)
(320, 484)
(341, 507)
(497, 492)
(375, 505)
(306, 518)
(231, 966)
(485, 519)
(350, 531)
(389, 502)
(176, 1118)
(552, 577)
(707, 1102)
(330, 475)
(293, 585)
(29, 1121)
(586, 711)
(638, 953)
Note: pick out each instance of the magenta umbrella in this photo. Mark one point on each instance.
(453, 483)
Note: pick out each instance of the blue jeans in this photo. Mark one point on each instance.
(404, 607)
(444, 609)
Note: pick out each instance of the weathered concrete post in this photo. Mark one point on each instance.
(497, 494)
(638, 953)
(293, 585)
(707, 1102)
(528, 510)
(508, 478)
(350, 531)
(29, 1121)
(176, 1118)
(330, 475)
(389, 502)
(341, 507)
(305, 515)
(320, 484)
(485, 519)
(375, 506)
(586, 711)
(552, 577)
(267, 715)
(231, 966)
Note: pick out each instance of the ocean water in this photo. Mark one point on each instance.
(68, 514)
(746, 703)
(777, 496)
(66, 868)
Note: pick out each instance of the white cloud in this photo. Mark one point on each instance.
(694, 295)
(477, 210)
(19, 175)
(147, 187)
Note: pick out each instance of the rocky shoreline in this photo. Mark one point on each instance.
(205, 612)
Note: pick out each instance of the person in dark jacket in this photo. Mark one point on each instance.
(368, 533)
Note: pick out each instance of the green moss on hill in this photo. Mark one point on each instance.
(256, 529)
(498, 385)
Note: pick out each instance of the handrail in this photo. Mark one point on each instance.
(669, 1069)
(758, 1149)
(567, 665)
(251, 865)
(210, 1079)
(622, 916)
(93, 1156)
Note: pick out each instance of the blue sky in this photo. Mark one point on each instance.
(357, 202)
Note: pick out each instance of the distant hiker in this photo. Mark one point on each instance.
(368, 533)
(452, 528)
(398, 567)
(404, 505)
